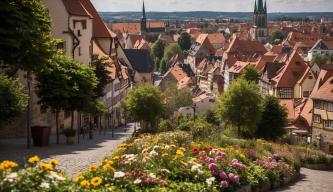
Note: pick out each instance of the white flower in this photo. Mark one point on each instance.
(153, 153)
(196, 167)
(167, 147)
(137, 181)
(210, 181)
(119, 174)
(156, 147)
(54, 175)
(11, 177)
(45, 185)
(152, 175)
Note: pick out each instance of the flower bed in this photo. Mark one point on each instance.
(165, 162)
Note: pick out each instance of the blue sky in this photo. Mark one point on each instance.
(214, 5)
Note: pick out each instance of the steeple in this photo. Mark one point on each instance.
(255, 6)
(260, 6)
(143, 10)
(265, 8)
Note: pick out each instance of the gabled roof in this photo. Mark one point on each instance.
(100, 30)
(238, 67)
(216, 38)
(292, 72)
(140, 60)
(245, 47)
(75, 7)
(322, 45)
(325, 92)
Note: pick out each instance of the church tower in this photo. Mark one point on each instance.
(143, 20)
(259, 30)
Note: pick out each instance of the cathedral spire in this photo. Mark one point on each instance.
(143, 10)
(265, 8)
(260, 6)
(255, 6)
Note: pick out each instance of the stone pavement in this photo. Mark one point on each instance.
(73, 158)
(311, 181)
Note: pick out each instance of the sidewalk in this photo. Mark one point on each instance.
(72, 158)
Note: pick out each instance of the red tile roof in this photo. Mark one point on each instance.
(100, 30)
(75, 7)
(325, 92)
(216, 38)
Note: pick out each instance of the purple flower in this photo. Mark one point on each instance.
(212, 167)
(235, 179)
(211, 160)
(231, 175)
(224, 184)
(223, 175)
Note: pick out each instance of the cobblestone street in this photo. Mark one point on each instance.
(72, 158)
(311, 181)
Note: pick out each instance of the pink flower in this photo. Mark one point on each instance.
(211, 160)
(224, 184)
(223, 175)
(212, 167)
(234, 178)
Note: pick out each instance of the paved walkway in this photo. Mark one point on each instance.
(311, 181)
(73, 158)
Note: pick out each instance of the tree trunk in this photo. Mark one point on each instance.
(238, 130)
(72, 122)
(57, 125)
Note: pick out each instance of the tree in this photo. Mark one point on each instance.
(251, 74)
(273, 121)
(157, 50)
(145, 103)
(66, 85)
(277, 36)
(321, 59)
(99, 65)
(176, 98)
(241, 107)
(163, 66)
(13, 98)
(172, 50)
(25, 38)
(184, 41)
(210, 117)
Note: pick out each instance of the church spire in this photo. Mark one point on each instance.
(255, 6)
(260, 6)
(143, 10)
(265, 8)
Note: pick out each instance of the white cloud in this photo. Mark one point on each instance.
(213, 5)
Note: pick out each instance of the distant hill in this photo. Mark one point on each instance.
(197, 15)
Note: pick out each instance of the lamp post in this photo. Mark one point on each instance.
(29, 79)
(194, 110)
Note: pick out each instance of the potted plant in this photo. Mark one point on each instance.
(70, 136)
(40, 135)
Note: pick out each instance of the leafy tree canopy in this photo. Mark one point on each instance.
(158, 48)
(177, 98)
(145, 103)
(25, 38)
(184, 41)
(13, 98)
(273, 121)
(172, 50)
(99, 65)
(241, 107)
(321, 59)
(251, 74)
(277, 36)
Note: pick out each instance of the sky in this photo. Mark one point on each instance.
(214, 5)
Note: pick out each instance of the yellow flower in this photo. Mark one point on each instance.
(107, 185)
(96, 181)
(93, 168)
(116, 157)
(179, 154)
(8, 165)
(79, 178)
(54, 162)
(34, 159)
(85, 183)
(46, 166)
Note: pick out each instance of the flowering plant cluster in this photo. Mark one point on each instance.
(163, 162)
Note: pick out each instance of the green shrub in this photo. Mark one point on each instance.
(165, 126)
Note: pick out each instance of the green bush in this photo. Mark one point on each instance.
(165, 125)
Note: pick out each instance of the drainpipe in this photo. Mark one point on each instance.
(75, 44)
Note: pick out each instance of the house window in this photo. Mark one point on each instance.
(317, 118)
(84, 24)
(306, 93)
(310, 77)
(79, 51)
(328, 124)
(285, 93)
(79, 33)
(298, 63)
(330, 107)
(317, 104)
(67, 114)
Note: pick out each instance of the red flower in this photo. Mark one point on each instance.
(195, 150)
(208, 148)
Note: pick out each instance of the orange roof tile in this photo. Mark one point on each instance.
(325, 92)
(216, 38)
(75, 7)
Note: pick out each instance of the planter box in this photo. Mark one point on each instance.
(70, 140)
(40, 135)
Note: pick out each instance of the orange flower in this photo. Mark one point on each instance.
(208, 148)
(195, 150)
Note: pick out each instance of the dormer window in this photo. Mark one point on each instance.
(79, 33)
